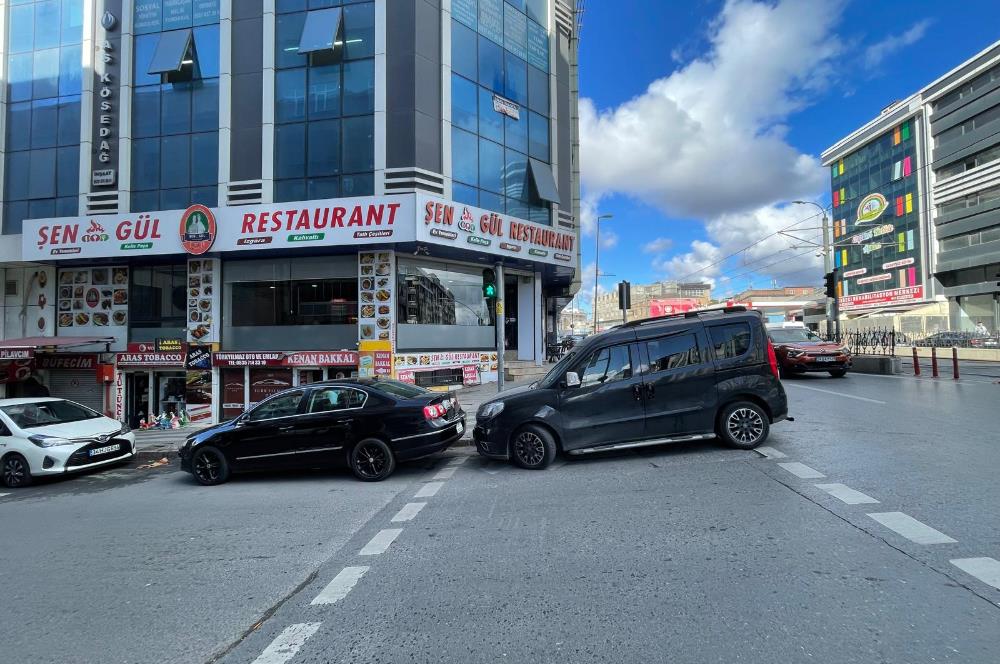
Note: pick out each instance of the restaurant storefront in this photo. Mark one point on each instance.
(272, 296)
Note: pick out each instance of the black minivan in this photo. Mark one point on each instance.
(674, 378)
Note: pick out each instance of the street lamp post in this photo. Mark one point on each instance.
(832, 313)
(597, 263)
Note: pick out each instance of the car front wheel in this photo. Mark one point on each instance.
(838, 373)
(372, 460)
(743, 425)
(533, 448)
(209, 466)
(16, 472)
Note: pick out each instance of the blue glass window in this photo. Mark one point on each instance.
(517, 133)
(44, 123)
(359, 144)
(205, 105)
(69, 121)
(175, 162)
(42, 174)
(491, 201)
(324, 148)
(146, 112)
(16, 185)
(538, 90)
(175, 108)
(359, 31)
(42, 209)
(206, 46)
(538, 11)
(67, 171)
(19, 126)
(288, 32)
(516, 79)
(146, 163)
(290, 95)
(205, 195)
(67, 207)
(464, 51)
(464, 104)
(538, 137)
(490, 65)
(321, 30)
(46, 74)
(72, 21)
(362, 184)
(490, 122)
(464, 157)
(516, 3)
(205, 159)
(19, 72)
(145, 201)
(284, 6)
(46, 18)
(515, 175)
(290, 151)
(491, 165)
(321, 188)
(359, 87)
(175, 199)
(145, 46)
(324, 90)
(289, 190)
(21, 29)
(70, 71)
(462, 193)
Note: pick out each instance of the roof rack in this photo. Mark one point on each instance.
(687, 314)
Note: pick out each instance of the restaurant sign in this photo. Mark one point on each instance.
(16, 353)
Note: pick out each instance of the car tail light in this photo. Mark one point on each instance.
(772, 359)
(434, 411)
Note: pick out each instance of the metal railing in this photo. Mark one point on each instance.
(872, 341)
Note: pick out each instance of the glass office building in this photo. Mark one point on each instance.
(207, 200)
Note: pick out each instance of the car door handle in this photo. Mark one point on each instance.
(637, 392)
(650, 390)
(284, 429)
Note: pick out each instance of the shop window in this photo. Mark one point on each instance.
(300, 302)
(159, 296)
(441, 294)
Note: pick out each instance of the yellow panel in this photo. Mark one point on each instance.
(909, 203)
(840, 167)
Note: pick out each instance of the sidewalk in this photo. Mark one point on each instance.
(471, 398)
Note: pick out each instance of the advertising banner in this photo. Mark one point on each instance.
(145, 360)
(309, 358)
(203, 300)
(882, 298)
(374, 359)
(483, 362)
(376, 295)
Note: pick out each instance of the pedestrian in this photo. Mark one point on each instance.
(981, 329)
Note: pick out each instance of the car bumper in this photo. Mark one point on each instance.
(491, 441)
(424, 444)
(805, 365)
(48, 461)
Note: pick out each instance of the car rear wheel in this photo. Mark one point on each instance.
(372, 460)
(838, 373)
(533, 448)
(743, 425)
(16, 472)
(209, 466)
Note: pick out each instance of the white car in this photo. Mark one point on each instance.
(48, 436)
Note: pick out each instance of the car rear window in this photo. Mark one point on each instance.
(398, 389)
(673, 352)
(732, 340)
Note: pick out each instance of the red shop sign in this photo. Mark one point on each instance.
(130, 360)
(310, 358)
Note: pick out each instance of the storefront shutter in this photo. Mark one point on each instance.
(79, 386)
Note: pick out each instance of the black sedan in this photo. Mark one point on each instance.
(368, 425)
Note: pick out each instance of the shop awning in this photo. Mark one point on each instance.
(35, 343)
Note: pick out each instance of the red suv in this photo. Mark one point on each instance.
(800, 350)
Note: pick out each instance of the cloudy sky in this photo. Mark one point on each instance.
(702, 119)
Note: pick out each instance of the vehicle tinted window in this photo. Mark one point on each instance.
(730, 340)
(27, 415)
(606, 366)
(792, 336)
(673, 352)
(282, 406)
(336, 398)
(398, 389)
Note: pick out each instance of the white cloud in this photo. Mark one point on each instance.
(609, 239)
(585, 296)
(878, 52)
(657, 246)
(709, 138)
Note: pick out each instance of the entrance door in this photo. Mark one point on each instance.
(170, 392)
(137, 404)
(307, 376)
(510, 311)
(607, 407)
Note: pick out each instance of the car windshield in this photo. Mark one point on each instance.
(793, 335)
(558, 370)
(399, 389)
(44, 413)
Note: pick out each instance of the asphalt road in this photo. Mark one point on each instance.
(689, 553)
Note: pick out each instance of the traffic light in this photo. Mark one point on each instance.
(489, 284)
(831, 284)
(624, 295)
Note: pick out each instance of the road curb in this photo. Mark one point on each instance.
(148, 456)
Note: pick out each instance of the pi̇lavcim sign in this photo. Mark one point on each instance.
(341, 221)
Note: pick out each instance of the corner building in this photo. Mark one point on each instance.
(208, 201)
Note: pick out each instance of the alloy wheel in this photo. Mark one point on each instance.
(15, 471)
(529, 448)
(208, 467)
(371, 460)
(745, 425)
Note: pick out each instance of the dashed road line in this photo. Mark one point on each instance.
(986, 570)
(380, 542)
(839, 394)
(429, 489)
(4, 494)
(409, 511)
(446, 473)
(459, 460)
(846, 494)
(911, 529)
(770, 452)
(801, 470)
(342, 584)
(286, 644)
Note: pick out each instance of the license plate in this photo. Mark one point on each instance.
(826, 359)
(460, 428)
(104, 450)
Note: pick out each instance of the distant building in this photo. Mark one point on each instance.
(643, 295)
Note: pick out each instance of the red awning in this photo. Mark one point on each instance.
(54, 342)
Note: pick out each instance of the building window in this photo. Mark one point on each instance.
(324, 144)
(159, 296)
(175, 118)
(441, 294)
(44, 79)
(298, 302)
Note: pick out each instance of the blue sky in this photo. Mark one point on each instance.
(701, 119)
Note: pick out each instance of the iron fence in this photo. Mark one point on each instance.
(872, 341)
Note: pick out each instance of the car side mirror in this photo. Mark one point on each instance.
(242, 419)
(572, 379)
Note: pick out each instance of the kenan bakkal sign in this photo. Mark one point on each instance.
(309, 358)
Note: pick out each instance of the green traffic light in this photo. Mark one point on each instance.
(490, 290)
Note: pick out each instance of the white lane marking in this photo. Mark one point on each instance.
(4, 494)
(911, 529)
(428, 490)
(801, 470)
(342, 584)
(846, 494)
(446, 473)
(380, 542)
(771, 453)
(838, 394)
(986, 570)
(286, 644)
(459, 460)
(409, 511)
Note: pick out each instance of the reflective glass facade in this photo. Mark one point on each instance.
(175, 120)
(44, 81)
(499, 55)
(324, 144)
(876, 217)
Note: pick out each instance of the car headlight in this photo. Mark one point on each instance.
(49, 441)
(490, 410)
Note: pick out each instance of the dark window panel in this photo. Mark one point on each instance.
(290, 151)
(359, 144)
(359, 87)
(465, 157)
(19, 127)
(491, 65)
(146, 111)
(324, 91)
(175, 162)
(42, 174)
(464, 103)
(490, 122)
(175, 108)
(205, 159)
(290, 93)
(359, 31)
(324, 148)
(491, 166)
(464, 51)
(146, 164)
(359, 184)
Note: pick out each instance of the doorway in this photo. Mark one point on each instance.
(137, 397)
(510, 287)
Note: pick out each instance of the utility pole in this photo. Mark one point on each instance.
(597, 263)
(501, 332)
(832, 312)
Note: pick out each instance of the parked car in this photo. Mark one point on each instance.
(684, 377)
(47, 436)
(950, 338)
(800, 350)
(366, 424)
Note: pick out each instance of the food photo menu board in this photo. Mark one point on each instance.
(376, 295)
(203, 300)
(93, 298)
